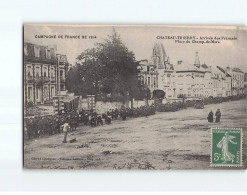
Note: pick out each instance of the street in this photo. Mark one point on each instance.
(166, 140)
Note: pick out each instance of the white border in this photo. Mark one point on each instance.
(13, 13)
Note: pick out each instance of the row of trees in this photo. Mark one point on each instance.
(108, 68)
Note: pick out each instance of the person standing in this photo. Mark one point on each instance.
(218, 115)
(211, 117)
(65, 127)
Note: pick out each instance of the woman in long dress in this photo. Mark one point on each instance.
(223, 144)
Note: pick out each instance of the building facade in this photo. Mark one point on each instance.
(149, 75)
(158, 73)
(63, 68)
(237, 80)
(43, 68)
(190, 80)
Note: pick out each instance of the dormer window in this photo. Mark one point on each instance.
(48, 54)
(36, 51)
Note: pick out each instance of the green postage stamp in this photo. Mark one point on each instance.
(226, 147)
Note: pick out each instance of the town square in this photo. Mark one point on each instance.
(102, 108)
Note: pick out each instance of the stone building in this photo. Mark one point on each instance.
(158, 73)
(222, 82)
(202, 81)
(189, 80)
(237, 80)
(166, 73)
(43, 70)
(245, 83)
(63, 65)
(149, 75)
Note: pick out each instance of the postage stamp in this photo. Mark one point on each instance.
(226, 147)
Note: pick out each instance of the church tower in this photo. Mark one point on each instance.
(159, 56)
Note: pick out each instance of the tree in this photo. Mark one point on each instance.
(82, 80)
(158, 94)
(120, 71)
(109, 67)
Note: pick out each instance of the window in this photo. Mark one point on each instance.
(52, 73)
(37, 72)
(61, 73)
(52, 91)
(45, 72)
(29, 71)
(37, 94)
(36, 51)
(142, 80)
(29, 93)
(180, 91)
(45, 93)
(189, 92)
(48, 54)
(148, 80)
(169, 92)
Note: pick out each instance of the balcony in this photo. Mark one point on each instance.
(41, 81)
(29, 79)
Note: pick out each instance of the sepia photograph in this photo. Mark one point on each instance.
(134, 97)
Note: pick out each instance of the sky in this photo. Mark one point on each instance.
(141, 39)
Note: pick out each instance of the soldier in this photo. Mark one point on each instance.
(218, 115)
(93, 121)
(99, 120)
(65, 127)
(211, 117)
(57, 125)
(107, 118)
(123, 114)
(86, 119)
(116, 113)
(108, 113)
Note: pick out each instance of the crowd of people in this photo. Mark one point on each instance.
(54, 124)
(171, 107)
(175, 106)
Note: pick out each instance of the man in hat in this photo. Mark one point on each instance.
(218, 115)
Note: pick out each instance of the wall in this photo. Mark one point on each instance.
(83, 103)
(102, 107)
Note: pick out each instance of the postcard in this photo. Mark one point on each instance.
(134, 97)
